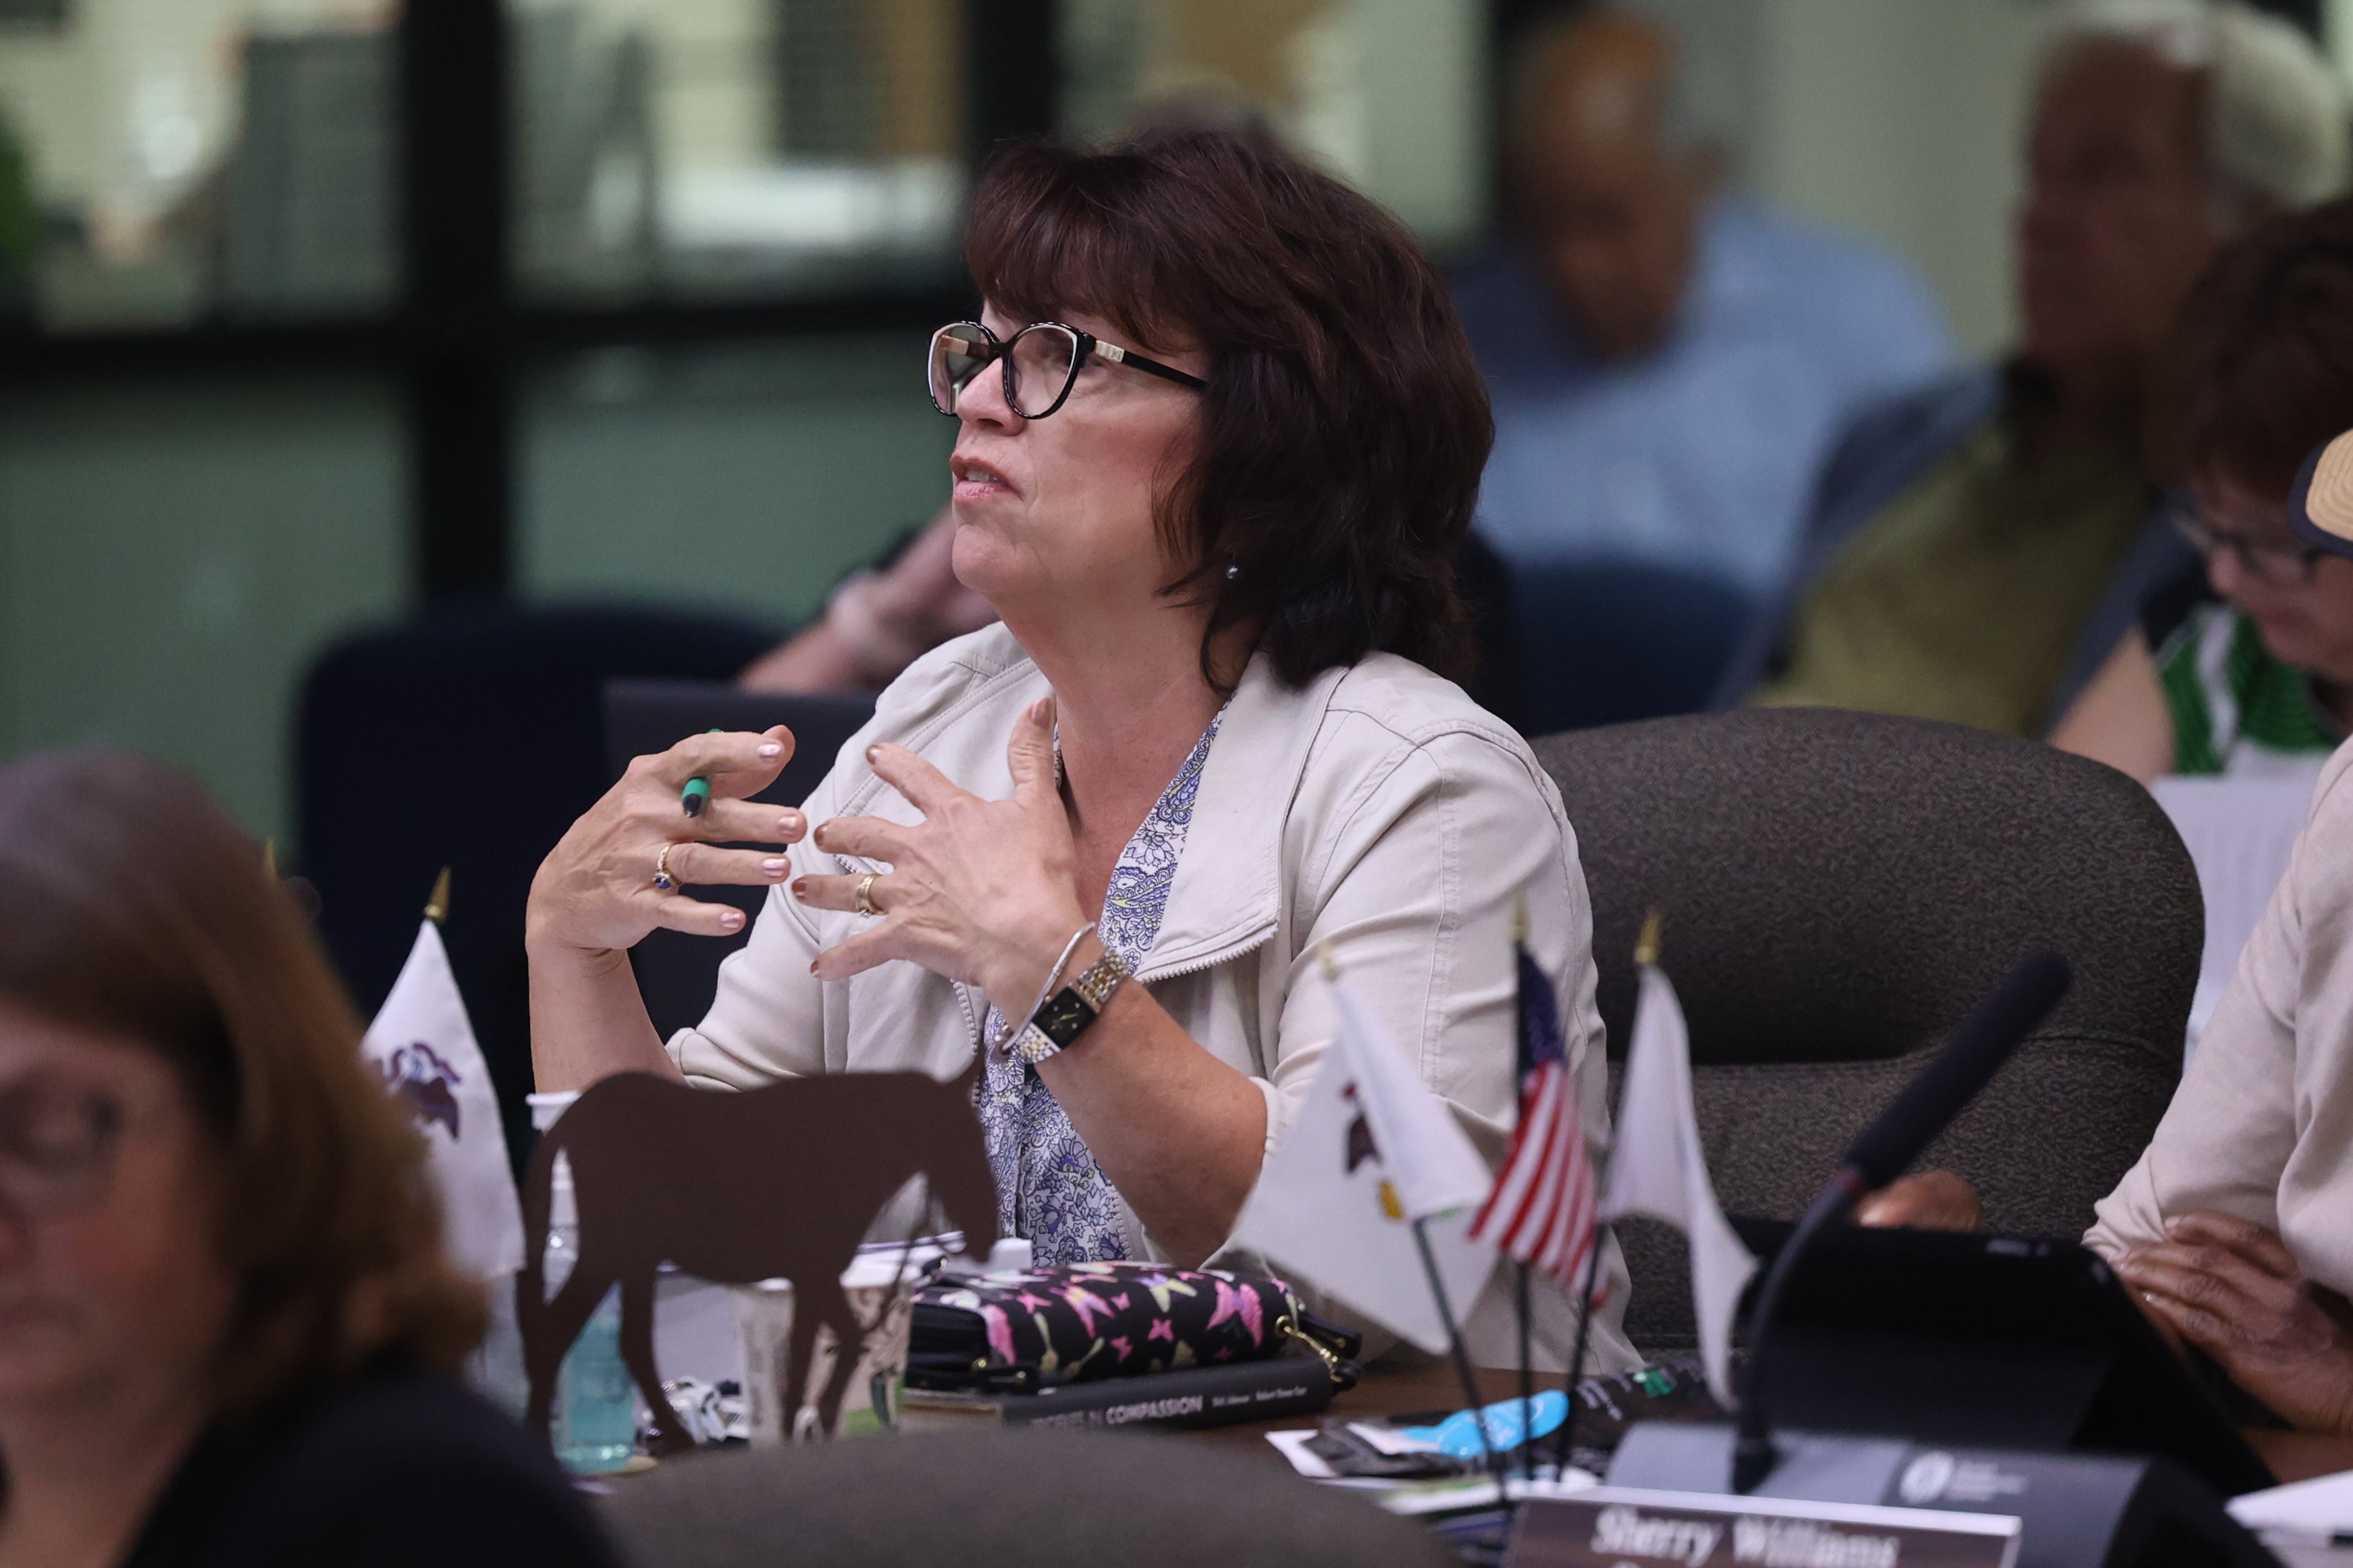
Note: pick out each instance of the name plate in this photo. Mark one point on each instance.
(1620, 1526)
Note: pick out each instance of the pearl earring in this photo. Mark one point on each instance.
(1233, 571)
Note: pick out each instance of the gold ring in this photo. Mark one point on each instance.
(863, 899)
(663, 881)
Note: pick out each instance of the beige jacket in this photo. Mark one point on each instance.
(1378, 810)
(2261, 1126)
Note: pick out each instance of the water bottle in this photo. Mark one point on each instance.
(595, 1416)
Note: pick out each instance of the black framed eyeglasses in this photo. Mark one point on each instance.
(1042, 362)
(2280, 563)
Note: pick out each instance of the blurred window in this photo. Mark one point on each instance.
(166, 161)
(1388, 94)
(735, 147)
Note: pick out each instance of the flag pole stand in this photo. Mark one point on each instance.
(1520, 1285)
(1564, 1446)
(1461, 1356)
(1646, 952)
(1528, 1383)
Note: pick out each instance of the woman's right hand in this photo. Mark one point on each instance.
(594, 893)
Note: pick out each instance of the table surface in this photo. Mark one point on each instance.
(1401, 1389)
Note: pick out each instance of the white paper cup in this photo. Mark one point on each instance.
(879, 1295)
(547, 1108)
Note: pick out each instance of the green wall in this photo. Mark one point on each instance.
(749, 478)
(173, 553)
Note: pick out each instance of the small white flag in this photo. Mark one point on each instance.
(1660, 1169)
(423, 1045)
(1373, 1150)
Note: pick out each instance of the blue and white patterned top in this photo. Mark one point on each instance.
(1049, 1187)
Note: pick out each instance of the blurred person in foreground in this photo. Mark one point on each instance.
(2259, 374)
(1219, 436)
(225, 1322)
(1978, 549)
(1669, 362)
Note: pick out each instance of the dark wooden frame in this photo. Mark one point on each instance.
(460, 336)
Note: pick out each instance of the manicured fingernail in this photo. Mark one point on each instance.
(790, 822)
(775, 868)
(730, 919)
(771, 749)
(873, 751)
(1038, 711)
(800, 888)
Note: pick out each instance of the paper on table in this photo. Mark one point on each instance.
(2240, 833)
(2321, 1506)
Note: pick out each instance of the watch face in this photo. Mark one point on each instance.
(1064, 1016)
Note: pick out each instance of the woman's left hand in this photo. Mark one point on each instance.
(983, 891)
(2234, 1289)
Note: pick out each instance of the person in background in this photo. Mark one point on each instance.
(2260, 373)
(225, 1322)
(1976, 549)
(1668, 362)
(880, 620)
(2235, 1227)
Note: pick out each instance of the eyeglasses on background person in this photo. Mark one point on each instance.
(1044, 356)
(2280, 563)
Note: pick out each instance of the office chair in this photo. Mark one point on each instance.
(1837, 890)
(1034, 1498)
(470, 739)
(1605, 643)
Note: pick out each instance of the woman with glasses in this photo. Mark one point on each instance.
(225, 1323)
(1219, 435)
(2261, 372)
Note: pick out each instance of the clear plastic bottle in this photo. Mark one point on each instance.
(595, 1415)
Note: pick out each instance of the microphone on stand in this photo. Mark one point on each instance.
(1924, 1108)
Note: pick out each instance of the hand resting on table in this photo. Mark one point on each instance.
(2234, 1289)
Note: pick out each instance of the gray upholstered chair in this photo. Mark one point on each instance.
(1839, 889)
(991, 1496)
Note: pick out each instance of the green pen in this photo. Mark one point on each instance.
(697, 793)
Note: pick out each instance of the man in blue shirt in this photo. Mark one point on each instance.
(1668, 365)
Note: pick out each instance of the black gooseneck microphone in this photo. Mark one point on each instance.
(1923, 1108)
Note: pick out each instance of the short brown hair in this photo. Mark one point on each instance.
(2260, 369)
(1345, 425)
(128, 903)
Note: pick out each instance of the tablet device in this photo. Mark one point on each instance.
(1986, 1342)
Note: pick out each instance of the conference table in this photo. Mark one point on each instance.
(1403, 1388)
(695, 1334)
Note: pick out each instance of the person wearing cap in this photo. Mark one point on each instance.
(2259, 375)
(1978, 549)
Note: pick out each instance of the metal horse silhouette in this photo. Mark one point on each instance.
(780, 1181)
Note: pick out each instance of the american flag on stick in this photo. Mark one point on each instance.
(1542, 1208)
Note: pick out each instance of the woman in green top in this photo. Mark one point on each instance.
(2260, 372)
